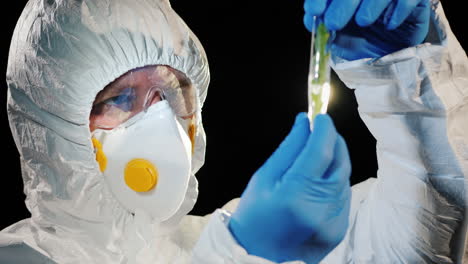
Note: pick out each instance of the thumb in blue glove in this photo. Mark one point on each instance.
(296, 205)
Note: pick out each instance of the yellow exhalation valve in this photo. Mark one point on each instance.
(141, 175)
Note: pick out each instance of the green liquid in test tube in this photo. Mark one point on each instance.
(319, 71)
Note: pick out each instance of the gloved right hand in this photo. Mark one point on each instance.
(371, 28)
(296, 205)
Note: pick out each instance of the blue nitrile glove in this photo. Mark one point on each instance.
(371, 28)
(296, 206)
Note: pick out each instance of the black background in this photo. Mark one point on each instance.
(258, 53)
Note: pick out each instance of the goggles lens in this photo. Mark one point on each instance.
(137, 90)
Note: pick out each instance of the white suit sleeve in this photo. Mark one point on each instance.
(415, 103)
(14, 250)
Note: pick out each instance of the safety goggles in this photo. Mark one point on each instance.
(137, 90)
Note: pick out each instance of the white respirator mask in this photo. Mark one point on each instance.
(148, 161)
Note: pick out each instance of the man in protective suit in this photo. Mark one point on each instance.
(104, 103)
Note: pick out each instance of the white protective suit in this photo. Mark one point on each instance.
(64, 52)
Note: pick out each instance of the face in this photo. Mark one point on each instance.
(137, 90)
(147, 163)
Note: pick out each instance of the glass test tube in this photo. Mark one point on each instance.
(319, 71)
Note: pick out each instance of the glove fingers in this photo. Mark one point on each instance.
(315, 7)
(369, 11)
(402, 11)
(421, 14)
(342, 49)
(334, 182)
(340, 168)
(338, 216)
(317, 154)
(309, 22)
(339, 13)
(284, 156)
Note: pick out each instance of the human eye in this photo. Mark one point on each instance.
(116, 109)
(124, 101)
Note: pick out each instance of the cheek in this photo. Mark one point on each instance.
(111, 119)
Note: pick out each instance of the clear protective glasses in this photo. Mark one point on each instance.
(137, 90)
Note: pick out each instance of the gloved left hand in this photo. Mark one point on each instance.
(371, 28)
(296, 206)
